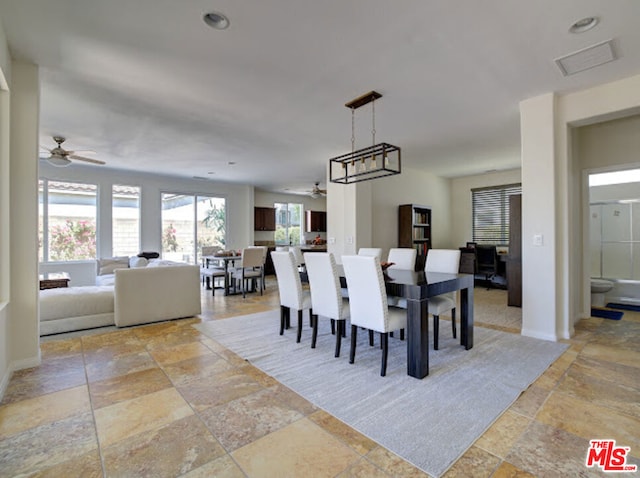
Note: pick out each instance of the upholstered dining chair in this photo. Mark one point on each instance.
(210, 274)
(265, 251)
(251, 268)
(326, 296)
(442, 260)
(402, 258)
(371, 251)
(299, 257)
(368, 303)
(292, 296)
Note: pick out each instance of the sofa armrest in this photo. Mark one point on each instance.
(143, 295)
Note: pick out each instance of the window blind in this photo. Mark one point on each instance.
(491, 213)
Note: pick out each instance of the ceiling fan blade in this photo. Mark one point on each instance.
(88, 160)
(43, 148)
(81, 151)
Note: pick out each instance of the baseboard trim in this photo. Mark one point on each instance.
(537, 335)
(17, 365)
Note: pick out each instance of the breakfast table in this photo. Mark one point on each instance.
(225, 258)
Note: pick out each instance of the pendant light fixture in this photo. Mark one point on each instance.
(373, 162)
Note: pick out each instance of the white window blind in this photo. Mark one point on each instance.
(491, 213)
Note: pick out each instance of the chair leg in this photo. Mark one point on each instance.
(314, 335)
(436, 327)
(299, 326)
(453, 322)
(384, 339)
(401, 334)
(371, 338)
(333, 326)
(287, 318)
(352, 352)
(341, 330)
(282, 318)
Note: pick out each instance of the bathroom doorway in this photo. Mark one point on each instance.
(614, 233)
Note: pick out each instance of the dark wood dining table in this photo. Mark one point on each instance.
(416, 288)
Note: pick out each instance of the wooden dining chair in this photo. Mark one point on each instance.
(448, 261)
(368, 303)
(326, 297)
(292, 296)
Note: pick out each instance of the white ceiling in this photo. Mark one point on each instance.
(149, 87)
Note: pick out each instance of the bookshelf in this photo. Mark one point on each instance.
(414, 230)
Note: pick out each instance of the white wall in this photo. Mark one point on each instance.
(554, 192)
(461, 206)
(368, 212)
(5, 236)
(23, 328)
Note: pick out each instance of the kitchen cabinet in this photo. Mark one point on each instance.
(316, 221)
(264, 219)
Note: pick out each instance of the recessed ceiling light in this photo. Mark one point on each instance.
(216, 20)
(583, 25)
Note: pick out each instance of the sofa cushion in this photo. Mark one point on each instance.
(136, 261)
(110, 264)
(80, 301)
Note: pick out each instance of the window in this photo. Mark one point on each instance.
(125, 205)
(288, 223)
(190, 222)
(67, 221)
(491, 213)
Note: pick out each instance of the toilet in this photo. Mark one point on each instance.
(599, 287)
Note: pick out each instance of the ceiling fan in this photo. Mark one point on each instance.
(316, 192)
(61, 157)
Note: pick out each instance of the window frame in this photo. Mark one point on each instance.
(46, 249)
(483, 201)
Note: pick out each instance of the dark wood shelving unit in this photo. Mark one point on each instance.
(414, 230)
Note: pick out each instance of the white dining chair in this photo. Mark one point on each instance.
(371, 251)
(448, 261)
(368, 303)
(299, 257)
(326, 296)
(251, 268)
(402, 258)
(292, 296)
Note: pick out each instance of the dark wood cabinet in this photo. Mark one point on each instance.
(316, 221)
(414, 230)
(514, 259)
(264, 219)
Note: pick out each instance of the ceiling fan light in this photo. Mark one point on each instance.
(59, 161)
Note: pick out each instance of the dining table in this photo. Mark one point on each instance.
(417, 287)
(225, 259)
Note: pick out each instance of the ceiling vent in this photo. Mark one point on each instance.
(586, 58)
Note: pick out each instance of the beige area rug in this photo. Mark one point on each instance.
(429, 422)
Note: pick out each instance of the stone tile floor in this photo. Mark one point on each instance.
(163, 400)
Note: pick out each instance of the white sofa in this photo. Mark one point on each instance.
(139, 295)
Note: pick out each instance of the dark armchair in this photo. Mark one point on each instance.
(486, 262)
